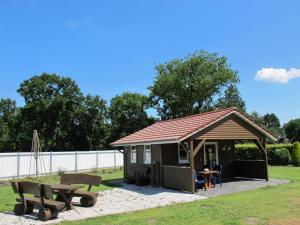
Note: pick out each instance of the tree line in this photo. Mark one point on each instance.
(66, 119)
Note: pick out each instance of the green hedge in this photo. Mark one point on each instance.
(251, 151)
(296, 154)
(281, 156)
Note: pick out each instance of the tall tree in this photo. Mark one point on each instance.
(187, 86)
(90, 125)
(292, 130)
(51, 101)
(272, 123)
(231, 98)
(127, 114)
(257, 118)
(8, 118)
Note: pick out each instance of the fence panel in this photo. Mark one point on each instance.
(14, 165)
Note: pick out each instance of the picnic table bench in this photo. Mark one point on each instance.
(88, 198)
(41, 197)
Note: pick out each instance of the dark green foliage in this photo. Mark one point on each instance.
(51, 101)
(281, 156)
(127, 113)
(90, 129)
(8, 124)
(296, 154)
(231, 98)
(63, 116)
(66, 119)
(251, 151)
(269, 121)
(292, 130)
(189, 85)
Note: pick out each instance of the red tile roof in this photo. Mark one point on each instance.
(175, 130)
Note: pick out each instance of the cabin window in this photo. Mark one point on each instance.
(183, 154)
(133, 154)
(147, 154)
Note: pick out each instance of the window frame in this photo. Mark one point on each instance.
(180, 161)
(148, 162)
(131, 152)
(217, 151)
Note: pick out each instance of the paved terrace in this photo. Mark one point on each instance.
(133, 198)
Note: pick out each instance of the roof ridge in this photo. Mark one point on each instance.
(198, 114)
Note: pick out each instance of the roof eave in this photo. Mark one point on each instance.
(153, 142)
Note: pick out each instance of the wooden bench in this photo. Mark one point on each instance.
(41, 198)
(88, 198)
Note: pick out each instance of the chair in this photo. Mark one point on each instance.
(88, 198)
(217, 178)
(48, 208)
(199, 182)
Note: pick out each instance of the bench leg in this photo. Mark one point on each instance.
(19, 209)
(44, 214)
(54, 213)
(88, 201)
(29, 209)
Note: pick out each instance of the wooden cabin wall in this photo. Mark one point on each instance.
(169, 154)
(226, 157)
(130, 167)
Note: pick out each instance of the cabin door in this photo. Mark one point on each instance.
(211, 154)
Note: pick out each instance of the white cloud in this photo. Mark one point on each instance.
(277, 75)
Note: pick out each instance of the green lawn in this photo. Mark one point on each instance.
(7, 196)
(270, 205)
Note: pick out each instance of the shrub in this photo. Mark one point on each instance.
(251, 151)
(296, 154)
(281, 157)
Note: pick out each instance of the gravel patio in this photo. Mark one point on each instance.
(132, 198)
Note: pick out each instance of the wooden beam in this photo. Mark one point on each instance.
(192, 166)
(263, 146)
(196, 150)
(266, 159)
(120, 151)
(184, 146)
(260, 145)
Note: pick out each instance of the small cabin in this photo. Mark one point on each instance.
(168, 152)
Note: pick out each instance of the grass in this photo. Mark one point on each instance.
(8, 197)
(270, 205)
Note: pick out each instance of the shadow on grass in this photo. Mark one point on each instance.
(113, 183)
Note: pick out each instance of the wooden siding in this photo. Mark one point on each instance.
(231, 127)
(176, 177)
(169, 154)
(131, 167)
(250, 169)
(155, 153)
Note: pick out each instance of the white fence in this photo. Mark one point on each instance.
(13, 165)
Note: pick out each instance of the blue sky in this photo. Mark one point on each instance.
(110, 47)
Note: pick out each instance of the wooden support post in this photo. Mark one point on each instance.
(197, 149)
(125, 152)
(266, 159)
(192, 166)
(263, 146)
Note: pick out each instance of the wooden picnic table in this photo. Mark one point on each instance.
(66, 192)
(207, 176)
